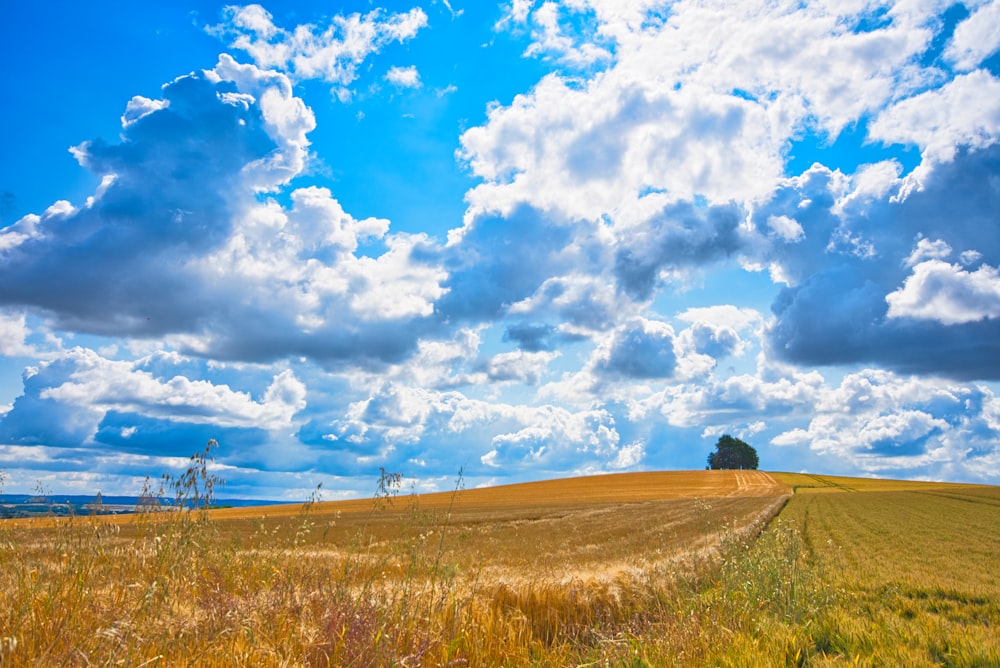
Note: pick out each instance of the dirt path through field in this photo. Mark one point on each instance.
(757, 483)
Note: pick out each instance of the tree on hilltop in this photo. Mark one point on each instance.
(732, 453)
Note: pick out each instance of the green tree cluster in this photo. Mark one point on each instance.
(732, 453)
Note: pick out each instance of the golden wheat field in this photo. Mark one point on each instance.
(644, 569)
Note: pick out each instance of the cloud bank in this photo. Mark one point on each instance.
(642, 264)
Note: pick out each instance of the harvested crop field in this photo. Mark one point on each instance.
(501, 575)
(594, 526)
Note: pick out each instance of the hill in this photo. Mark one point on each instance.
(576, 491)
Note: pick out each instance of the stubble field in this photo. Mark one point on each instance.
(668, 568)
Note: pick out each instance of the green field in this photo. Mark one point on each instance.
(913, 568)
(648, 569)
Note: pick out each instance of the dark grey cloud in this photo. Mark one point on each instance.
(714, 341)
(502, 260)
(682, 235)
(640, 349)
(261, 335)
(531, 337)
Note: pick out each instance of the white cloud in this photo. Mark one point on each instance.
(287, 120)
(629, 455)
(394, 287)
(705, 343)
(882, 423)
(947, 293)
(331, 53)
(928, 250)
(407, 422)
(902, 427)
(599, 149)
(634, 361)
(437, 364)
(404, 77)
(138, 107)
(518, 10)
(859, 250)
(581, 302)
(697, 104)
(102, 385)
(738, 399)
(550, 39)
(713, 340)
(723, 315)
(975, 38)
(519, 365)
(179, 242)
(13, 334)
(558, 438)
(963, 112)
(785, 228)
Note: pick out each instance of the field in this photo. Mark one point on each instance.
(916, 568)
(667, 568)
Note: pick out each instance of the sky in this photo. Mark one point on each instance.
(496, 242)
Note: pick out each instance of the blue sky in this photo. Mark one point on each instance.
(524, 240)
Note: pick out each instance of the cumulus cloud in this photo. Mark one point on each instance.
(785, 228)
(109, 385)
(717, 332)
(633, 362)
(675, 115)
(604, 148)
(639, 349)
(737, 399)
(714, 341)
(179, 242)
(947, 293)
(495, 261)
(581, 302)
(520, 366)
(168, 193)
(403, 423)
(629, 456)
(886, 424)
(859, 271)
(551, 39)
(556, 438)
(531, 337)
(81, 399)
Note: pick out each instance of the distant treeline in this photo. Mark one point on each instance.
(27, 505)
